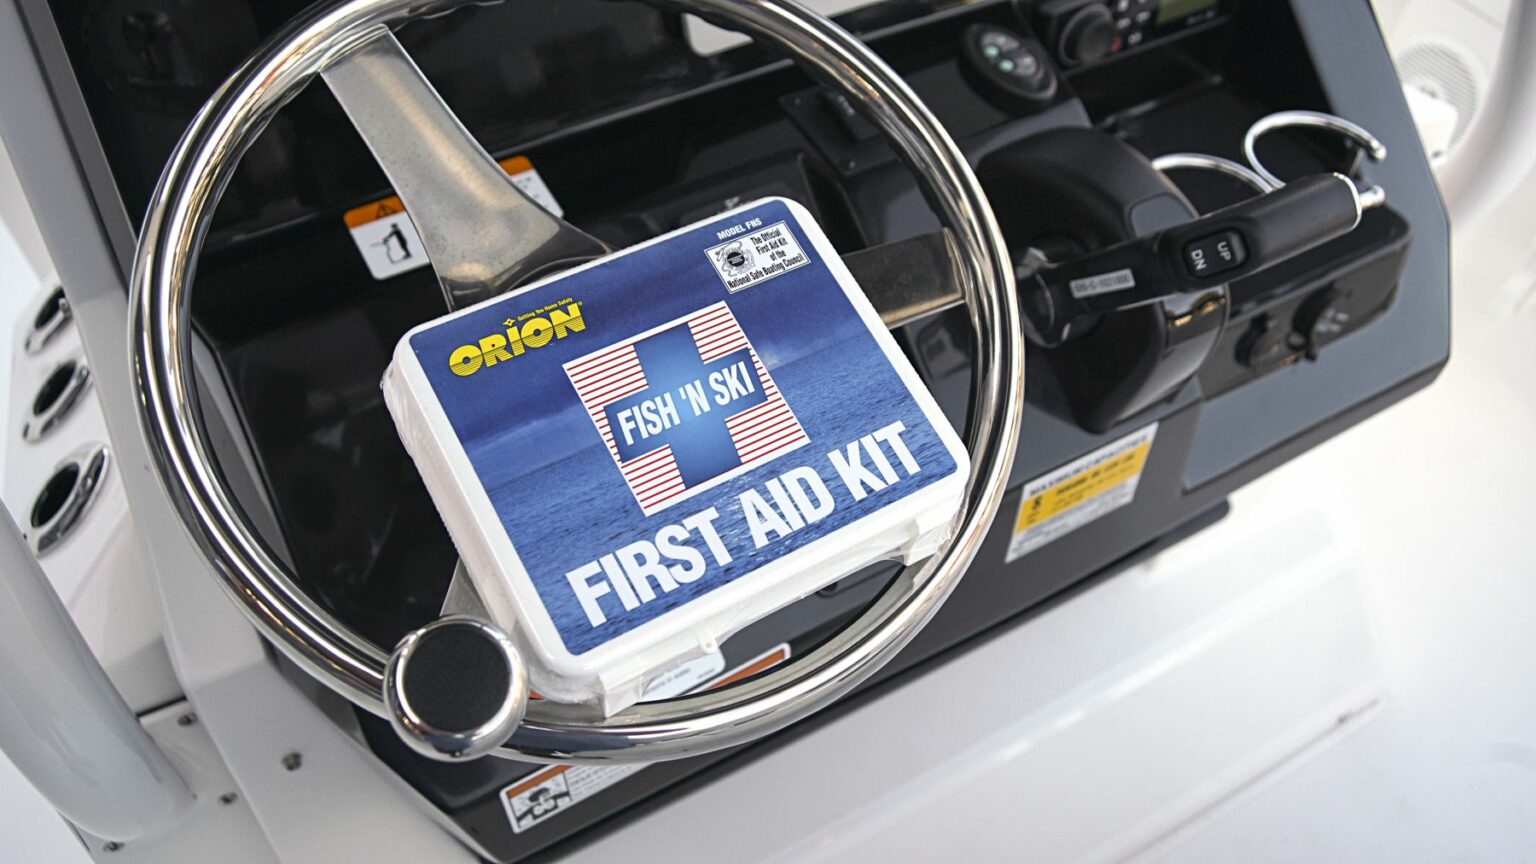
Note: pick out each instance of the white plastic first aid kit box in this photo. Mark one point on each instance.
(638, 457)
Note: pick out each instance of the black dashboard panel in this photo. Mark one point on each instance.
(635, 134)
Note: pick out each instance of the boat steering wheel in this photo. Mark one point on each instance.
(483, 237)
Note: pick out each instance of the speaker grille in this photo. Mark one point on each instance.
(1444, 72)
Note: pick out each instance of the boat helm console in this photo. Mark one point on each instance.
(1139, 252)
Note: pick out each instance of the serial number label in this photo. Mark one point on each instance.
(1106, 283)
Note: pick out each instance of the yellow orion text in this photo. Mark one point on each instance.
(520, 336)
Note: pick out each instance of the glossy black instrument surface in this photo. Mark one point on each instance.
(635, 134)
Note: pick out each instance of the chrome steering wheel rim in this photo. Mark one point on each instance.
(172, 236)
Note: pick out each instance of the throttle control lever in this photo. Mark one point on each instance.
(1192, 258)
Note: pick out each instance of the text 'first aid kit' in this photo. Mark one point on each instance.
(638, 457)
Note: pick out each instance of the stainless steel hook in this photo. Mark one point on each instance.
(1371, 196)
(1206, 162)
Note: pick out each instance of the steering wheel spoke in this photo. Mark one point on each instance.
(483, 235)
(910, 278)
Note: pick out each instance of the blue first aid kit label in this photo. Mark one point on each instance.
(685, 407)
(652, 428)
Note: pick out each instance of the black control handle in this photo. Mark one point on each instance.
(1197, 256)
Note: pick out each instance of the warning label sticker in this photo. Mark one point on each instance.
(542, 794)
(388, 240)
(748, 259)
(557, 788)
(1079, 492)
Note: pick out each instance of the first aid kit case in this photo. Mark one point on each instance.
(640, 456)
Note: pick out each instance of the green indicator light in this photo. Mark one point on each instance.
(990, 51)
(1006, 65)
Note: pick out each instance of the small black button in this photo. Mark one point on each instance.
(1215, 254)
(1023, 65)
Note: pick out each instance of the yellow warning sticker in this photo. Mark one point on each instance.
(387, 239)
(1079, 492)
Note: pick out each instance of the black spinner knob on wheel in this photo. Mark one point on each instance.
(455, 688)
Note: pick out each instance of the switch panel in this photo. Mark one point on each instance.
(1215, 254)
(1085, 32)
(1009, 70)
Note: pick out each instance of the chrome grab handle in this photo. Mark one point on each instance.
(1264, 181)
(1371, 196)
(177, 222)
(1206, 162)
